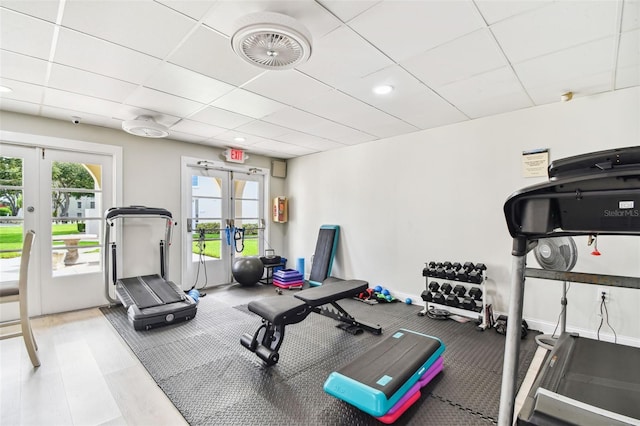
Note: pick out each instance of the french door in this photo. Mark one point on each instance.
(62, 196)
(224, 211)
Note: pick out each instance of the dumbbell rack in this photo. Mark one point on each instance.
(453, 274)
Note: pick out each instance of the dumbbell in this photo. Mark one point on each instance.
(439, 298)
(469, 304)
(450, 274)
(446, 288)
(476, 293)
(427, 296)
(459, 290)
(446, 265)
(452, 300)
(440, 272)
(456, 266)
(434, 286)
(476, 276)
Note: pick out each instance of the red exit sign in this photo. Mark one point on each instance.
(234, 155)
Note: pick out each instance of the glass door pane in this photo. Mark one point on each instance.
(11, 216)
(76, 218)
(248, 212)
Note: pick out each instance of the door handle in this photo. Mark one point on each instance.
(31, 209)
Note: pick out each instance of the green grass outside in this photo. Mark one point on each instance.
(11, 238)
(212, 248)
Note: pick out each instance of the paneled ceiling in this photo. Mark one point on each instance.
(447, 61)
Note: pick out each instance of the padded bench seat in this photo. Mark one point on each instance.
(332, 291)
(280, 310)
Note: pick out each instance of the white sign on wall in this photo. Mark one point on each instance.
(535, 163)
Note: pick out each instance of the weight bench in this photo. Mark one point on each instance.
(386, 380)
(279, 311)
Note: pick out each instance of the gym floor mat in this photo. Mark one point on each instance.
(211, 378)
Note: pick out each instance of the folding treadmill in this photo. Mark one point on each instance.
(590, 194)
(150, 300)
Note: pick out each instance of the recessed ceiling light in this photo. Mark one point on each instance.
(5, 89)
(383, 89)
(239, 139)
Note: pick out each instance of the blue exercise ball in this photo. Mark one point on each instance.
(247, 270)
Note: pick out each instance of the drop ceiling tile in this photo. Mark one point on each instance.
(22, 91)
(43, 9)
(22, 68)
(566, 65)
(344, 109)
(294, 118)
(196, 128)
(87, 104)
(551, 91)
(247, 103)
(288, 86)
(195, 9)
(489, 93)
(26, 35)
(309, 141)
(221, 118)
(162, 102)
(631, 15)
(230, 137)
(476, 108)
(462, 58)
(175, 80)
(101, 57)
(347, 10)
(553, 28)
(315, 18)
(210, 53)
(186, 137)
(627, 77)
(410, 100)
(87, 83)
(339, 133)
(497, 10)
(629, 49)
(263, 129)
(145, 26)
(65, 114)
(19, 106)
(275, 147)
(413, 27)
(341, 55)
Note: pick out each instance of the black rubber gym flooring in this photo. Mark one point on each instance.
(212, 379)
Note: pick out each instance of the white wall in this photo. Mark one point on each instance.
(439, 194)
(151, 173)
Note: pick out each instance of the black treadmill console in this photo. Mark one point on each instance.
(581, 199)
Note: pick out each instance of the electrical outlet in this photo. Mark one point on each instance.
(605, 291)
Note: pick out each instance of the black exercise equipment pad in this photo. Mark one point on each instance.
(138, 288)
(322, 255)
(396, 357)
(332, 291)
(280, 310)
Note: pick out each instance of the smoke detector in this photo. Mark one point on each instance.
(272, 41)
(145, 126)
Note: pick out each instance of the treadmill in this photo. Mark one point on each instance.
(583, 381)
(150, 300)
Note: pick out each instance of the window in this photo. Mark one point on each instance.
(79, 204)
